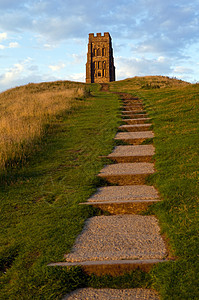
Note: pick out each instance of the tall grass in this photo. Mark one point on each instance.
(174, 114)
(25, 112)
(147, 83)
(40, 214)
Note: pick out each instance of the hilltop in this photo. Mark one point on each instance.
(54, 171)
(149, 82)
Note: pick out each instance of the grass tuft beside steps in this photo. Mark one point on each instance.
(173, 110)
(40, 215)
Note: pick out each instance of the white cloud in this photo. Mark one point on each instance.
(3, 36)
(141, 66)
(10, 45)
(19, 73)
(163, 32)
(182, 70)
(57, 67)
(80, 77)
(13, 45)
(161, 59)
(12, 74)
(78, 58)
(49, 46)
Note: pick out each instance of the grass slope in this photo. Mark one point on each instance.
(174, 112)
(39, 204)
(26, 111)
(40, 215)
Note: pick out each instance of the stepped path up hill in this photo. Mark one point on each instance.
(124, 240)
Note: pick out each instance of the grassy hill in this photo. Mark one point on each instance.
(173, 109)
(54, 168)
(147, 82)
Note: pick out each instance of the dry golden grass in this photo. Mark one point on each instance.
(147, 83)
(26, 110)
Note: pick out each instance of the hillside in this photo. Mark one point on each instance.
(49, 173)
(173, 110)
(148, 82)
(26, 111)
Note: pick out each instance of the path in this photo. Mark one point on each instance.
(124, 240)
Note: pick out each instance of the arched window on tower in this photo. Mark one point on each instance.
(104, 65)
(95, 52)
(104, 73)
(99, 64)
(103, 52)
(98, 52)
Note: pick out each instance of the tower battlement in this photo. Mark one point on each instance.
(100, 63)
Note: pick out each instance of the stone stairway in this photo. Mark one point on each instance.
(124, 240)
(112, 294)
(134, 138)
(136, 127)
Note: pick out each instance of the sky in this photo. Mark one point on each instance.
(44, 40)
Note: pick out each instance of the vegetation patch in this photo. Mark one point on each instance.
(40, 215)
(27, 111)
(173, 110)
(40, 211)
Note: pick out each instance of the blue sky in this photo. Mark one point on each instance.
(47, 40)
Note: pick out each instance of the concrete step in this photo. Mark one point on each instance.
(124, 193)
(117, 244)
(133, 199)
(127, 173)
(113, 268)
(135, 127)
(134, 115)
(133, 110)
(112, 294)
(129, 102)
(134, 138)
(129, 111)
(138, 153)
(134, 207)
(136, 121)
(133, 106)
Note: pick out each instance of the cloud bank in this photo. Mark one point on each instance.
(151, 36)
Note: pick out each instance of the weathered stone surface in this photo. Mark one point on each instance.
(138, 153)
(127, 173)
(100, 63)
(124, 193)
(133, 107)
(112, 294)
(121, 237)
(112, 267)
(136, 120)
(134, 115)
(129, 112)
(134, 135)
(135, 127)
(139, 150)
(123, 207)
(134, 138)
(127, 168)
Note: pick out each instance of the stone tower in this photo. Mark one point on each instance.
(100, 63)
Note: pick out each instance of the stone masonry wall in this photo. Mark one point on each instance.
(100, 63)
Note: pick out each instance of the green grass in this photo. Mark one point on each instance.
(174, 113)
(40, 215)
